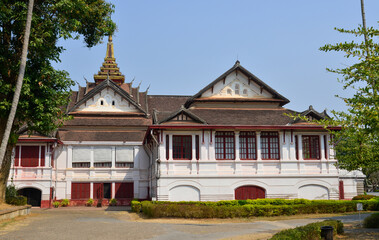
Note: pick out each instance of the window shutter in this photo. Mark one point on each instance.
(124, 154)
(102, 154)
(81, 154)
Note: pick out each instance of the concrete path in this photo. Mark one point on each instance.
(94, 223)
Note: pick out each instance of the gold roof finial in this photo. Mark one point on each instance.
(110, 38)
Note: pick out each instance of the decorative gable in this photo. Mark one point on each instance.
(236, 85)
(107, 100)
(107, 97)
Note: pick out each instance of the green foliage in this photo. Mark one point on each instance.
(136, 206)
(11, 191)
(250, 208)
(12, 197)
(45, 90)
(357, 143)
(56, 204)
(90, 202)
(363, 197)
(65, 202)
(310, 231)
(371, 221)
(17, 200)
(113, 202)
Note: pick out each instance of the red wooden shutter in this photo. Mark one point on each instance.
(98, 191)
(17, 156)
(29, 156)
(42, 156)
(342, 190)
(124, 190)
(249, 192)
(80, 191)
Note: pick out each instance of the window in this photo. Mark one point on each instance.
(102, 157)
(182, 147)
(248, 145)
(224, 145)
(296, 148)
(245, 92)
(270, 145)
(311, 147)
(197, 147)
(125, 157)
(81, 157)
(237, 90)
(101, 102)
(113, 103)
(80, 191)
(167, 147)
(326, 147)
(81, 165)
(30, 156)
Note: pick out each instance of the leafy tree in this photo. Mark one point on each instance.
(357, 143)
(45, 89)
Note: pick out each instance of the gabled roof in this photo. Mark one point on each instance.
(107, 83)
(311, 113)
(251, 77)
(185, 111)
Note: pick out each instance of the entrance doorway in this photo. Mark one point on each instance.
(33, 195)
(249, 192)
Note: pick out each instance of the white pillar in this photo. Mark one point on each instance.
(92, 157)
(91, 190)
(300, 144)
(69, 157)
(113, 157)
(237, 141)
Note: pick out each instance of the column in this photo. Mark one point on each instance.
(259, 154)
(193, 160)
(91, 190)
(237, 162)
(69, 156)
(113, 157)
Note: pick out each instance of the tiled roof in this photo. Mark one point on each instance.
(99, 135)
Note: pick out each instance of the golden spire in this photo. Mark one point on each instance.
(109, 67)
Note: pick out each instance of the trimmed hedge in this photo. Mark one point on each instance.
(248, 208)
(136, 206)
(363, 197)
(309, 232)
(371, 221)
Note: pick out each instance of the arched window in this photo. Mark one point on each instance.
(237, 90)
(101, 102)
(113, 103)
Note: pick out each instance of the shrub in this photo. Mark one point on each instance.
(136, 206)
(12, 197)
(56, 204)
(90, 202)
(17, 200)
(371, 221)
(310, 231)
(65, 202)
(249, 208)
(363, 197)
(113, 202)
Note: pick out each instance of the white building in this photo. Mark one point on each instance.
(232, 140)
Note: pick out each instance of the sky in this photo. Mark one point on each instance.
(178, 47)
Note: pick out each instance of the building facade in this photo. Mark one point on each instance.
(231, 140)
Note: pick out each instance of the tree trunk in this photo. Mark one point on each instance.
(4, 148)
(4, 171)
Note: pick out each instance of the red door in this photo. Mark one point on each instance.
(98, 191)
(249, 192)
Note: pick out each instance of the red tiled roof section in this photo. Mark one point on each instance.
(101, 135)
(108, 121)
(244, 117)
(166, 103)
